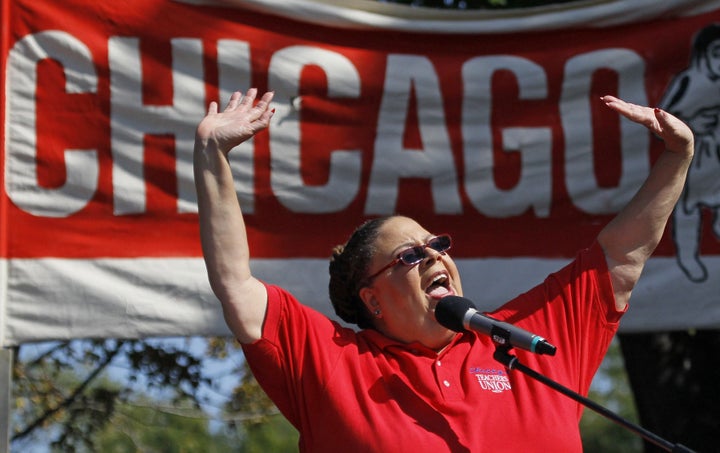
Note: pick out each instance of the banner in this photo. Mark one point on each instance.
(485, 125)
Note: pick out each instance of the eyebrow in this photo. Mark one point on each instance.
(409, 244)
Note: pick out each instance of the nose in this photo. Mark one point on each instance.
(432, 255)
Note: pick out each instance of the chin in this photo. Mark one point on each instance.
(442, 340)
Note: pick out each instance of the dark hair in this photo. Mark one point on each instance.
(702, 41)
(348, 272)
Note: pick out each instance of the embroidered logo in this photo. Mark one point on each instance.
(492, 380)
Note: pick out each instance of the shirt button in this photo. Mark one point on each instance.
(446, 383)
(439, 363)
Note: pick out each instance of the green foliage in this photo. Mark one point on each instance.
(148, 427)
(275, 434)
(611, 390)
(264, 428)
(65, 398)
(60, 388)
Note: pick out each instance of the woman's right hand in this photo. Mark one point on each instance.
(240, 120)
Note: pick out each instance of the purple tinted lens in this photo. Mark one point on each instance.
(412, 255)
(440, 243)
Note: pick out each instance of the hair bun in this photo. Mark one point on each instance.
(338, 250)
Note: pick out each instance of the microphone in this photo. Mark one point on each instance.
(459, 314)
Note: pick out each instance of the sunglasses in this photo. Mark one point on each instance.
(413, 255)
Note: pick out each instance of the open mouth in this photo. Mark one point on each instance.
(439, 286)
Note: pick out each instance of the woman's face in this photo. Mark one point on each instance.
(407, 295)
(713, 58)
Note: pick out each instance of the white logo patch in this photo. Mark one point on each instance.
(495, 381)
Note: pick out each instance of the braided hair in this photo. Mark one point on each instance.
(348, 271)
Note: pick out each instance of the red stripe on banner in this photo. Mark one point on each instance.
(133, 208)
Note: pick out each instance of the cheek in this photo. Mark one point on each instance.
(455, 274)
(399, 292)
(404, 285)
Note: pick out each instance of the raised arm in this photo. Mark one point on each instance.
(222, 229)
(631, 237)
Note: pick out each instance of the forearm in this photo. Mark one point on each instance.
(225, 245)
(632, 236)
(635, 232)
(222, 228)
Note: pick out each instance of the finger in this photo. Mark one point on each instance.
(233, 102)
(666, 120)
(264, 119)
(671, 126)
(608, 98)
(264, 103)
(249, 98)
(622, 107)
(212, 108)
(633, 112)
(260, 110)
(265, 100)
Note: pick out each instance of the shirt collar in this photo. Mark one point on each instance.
(389, 345)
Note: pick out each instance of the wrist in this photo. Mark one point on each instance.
(684, 153)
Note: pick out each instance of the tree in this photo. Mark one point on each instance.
(59, 394)
(610, 389)
(66, 398)
(149, 427)
(264, 428)
(62, 399)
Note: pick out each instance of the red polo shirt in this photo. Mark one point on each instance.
(348, 391)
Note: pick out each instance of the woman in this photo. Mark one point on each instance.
(404, 382)
(687, 98)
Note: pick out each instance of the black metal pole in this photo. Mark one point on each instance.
(502, 355)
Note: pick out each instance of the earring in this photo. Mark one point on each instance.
(377, 312)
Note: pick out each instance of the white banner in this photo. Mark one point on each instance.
(486, 125)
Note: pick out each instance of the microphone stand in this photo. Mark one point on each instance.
(502, 355)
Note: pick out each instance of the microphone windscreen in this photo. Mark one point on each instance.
(450, 312)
